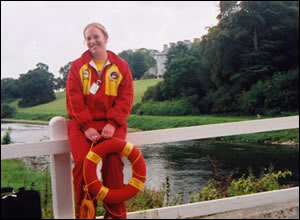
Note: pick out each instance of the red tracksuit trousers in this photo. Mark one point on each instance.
(112, 171)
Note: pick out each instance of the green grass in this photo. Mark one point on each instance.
(140, 87)
(58, 106)
(147, 122)
(43, 111)
(267, 137)
(15, 174)
(144, 122)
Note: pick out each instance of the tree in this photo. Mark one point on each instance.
(7, 110)
(139, 61)
(176, 51)
(139, 65)
(63, 71)
(36, 86)
(227, 8)
(252, 42)
(127, 55)
(9, 88)
(182, 78)
(233, 68)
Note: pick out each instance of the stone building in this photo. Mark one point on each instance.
(161, 57)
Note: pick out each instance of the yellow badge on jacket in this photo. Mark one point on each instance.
(113, 78)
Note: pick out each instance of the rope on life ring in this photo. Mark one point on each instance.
(138, 166)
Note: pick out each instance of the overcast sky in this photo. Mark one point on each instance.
(51, 32)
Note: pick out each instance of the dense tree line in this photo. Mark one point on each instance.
(140, 61)
(247, 64)
(34, 88)
(37, 86)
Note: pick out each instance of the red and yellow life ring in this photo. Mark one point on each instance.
(138, 166)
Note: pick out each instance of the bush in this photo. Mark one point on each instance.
(224, 101)
(167, 108)
(226, 186)
(273, 96)
(253, 101)
(6, 138)
(153, 93)
(282, 92)
(148, 76)
(251, 184)
(7, 111)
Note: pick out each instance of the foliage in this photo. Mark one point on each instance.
(225, 186)
(223, 101)
(273, 96)
(36, 86)
(139, 61)
(146, 199)
(247, 64)
(7, 111)
(167, 108)
(63, 71)
(290, 135)
(9, 88)
(6, 138)
(182, 78)
(251, 184)
(153, 93)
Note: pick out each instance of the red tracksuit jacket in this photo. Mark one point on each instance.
(113, 100)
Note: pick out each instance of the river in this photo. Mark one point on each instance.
(186, 163)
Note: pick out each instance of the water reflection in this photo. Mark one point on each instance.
(26, 132)
(188, 168)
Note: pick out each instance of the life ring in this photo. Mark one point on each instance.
(138, 166)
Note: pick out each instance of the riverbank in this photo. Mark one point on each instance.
(35, 122)
(141, 123)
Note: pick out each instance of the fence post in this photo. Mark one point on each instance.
(61, 173)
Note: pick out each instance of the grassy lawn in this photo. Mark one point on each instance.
(140, 87)
(147, 122)
(15, 174)
(58, 106)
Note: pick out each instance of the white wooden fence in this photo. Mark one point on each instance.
(61, 175)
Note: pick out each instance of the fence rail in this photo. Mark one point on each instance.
(217, 206)
(58, 149)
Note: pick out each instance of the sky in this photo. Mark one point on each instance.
(51, 32)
